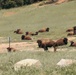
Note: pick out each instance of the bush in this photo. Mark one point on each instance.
(19, 2)
(8, 4)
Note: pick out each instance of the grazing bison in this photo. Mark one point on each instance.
(44, 30)
(73, 43)
(30, 33)
(70, 34)
(11, 49)
(45, 43)
(26, 37)
(18, 31)
(62, 41)
(70, 29)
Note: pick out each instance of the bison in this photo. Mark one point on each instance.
(73, 44)
(18, 31)
(45, 43)
(62, 41)
(70, 34)
(11, 49)
(26, 37)
(70, 29)
(44, 30)
(30, 33)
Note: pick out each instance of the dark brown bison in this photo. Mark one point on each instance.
(70, 34)
(30, 33)
(26, 37)
(44, 30)
(10, 49)
(62, 41)
(45, 43)
(73, 44)
(70, 29)
(18, 31)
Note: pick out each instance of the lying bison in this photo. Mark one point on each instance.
(45, 43)
(70, 34)
(30, 33)
(44, 30)
(18, 31)
(10, 49)
(62, 41)
(70, 29)
(26, 37)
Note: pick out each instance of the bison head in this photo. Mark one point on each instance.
(65, 40)
(47, 29)
(23, 37)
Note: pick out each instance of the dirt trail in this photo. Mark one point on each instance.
(61, 1)
(18, 46)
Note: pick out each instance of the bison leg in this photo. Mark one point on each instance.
(55, 49)
(39, 45)
(45, 48)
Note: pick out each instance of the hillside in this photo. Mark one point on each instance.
(58, 17)
(31, 18)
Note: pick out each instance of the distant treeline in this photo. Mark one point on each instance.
(6, 4)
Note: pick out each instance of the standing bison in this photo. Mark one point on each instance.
(45, 43)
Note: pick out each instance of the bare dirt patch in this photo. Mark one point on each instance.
(61, 1)
(32, 46)
(6, 14)
(18, 46)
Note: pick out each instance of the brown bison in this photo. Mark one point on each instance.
(70, 29)
(30, 33)
(26, 37)
(44, 30)
(62, 41)
(70, 34)
(18, 31)
(73, 44)
(45, 43)
(11, 49)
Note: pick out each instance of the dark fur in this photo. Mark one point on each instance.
(62, 41)
(44, 30)
(23, 37)
(45, 43)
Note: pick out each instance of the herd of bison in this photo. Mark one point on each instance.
(45, 43)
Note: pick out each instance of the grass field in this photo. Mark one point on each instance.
(57, 17)
(30, 18)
